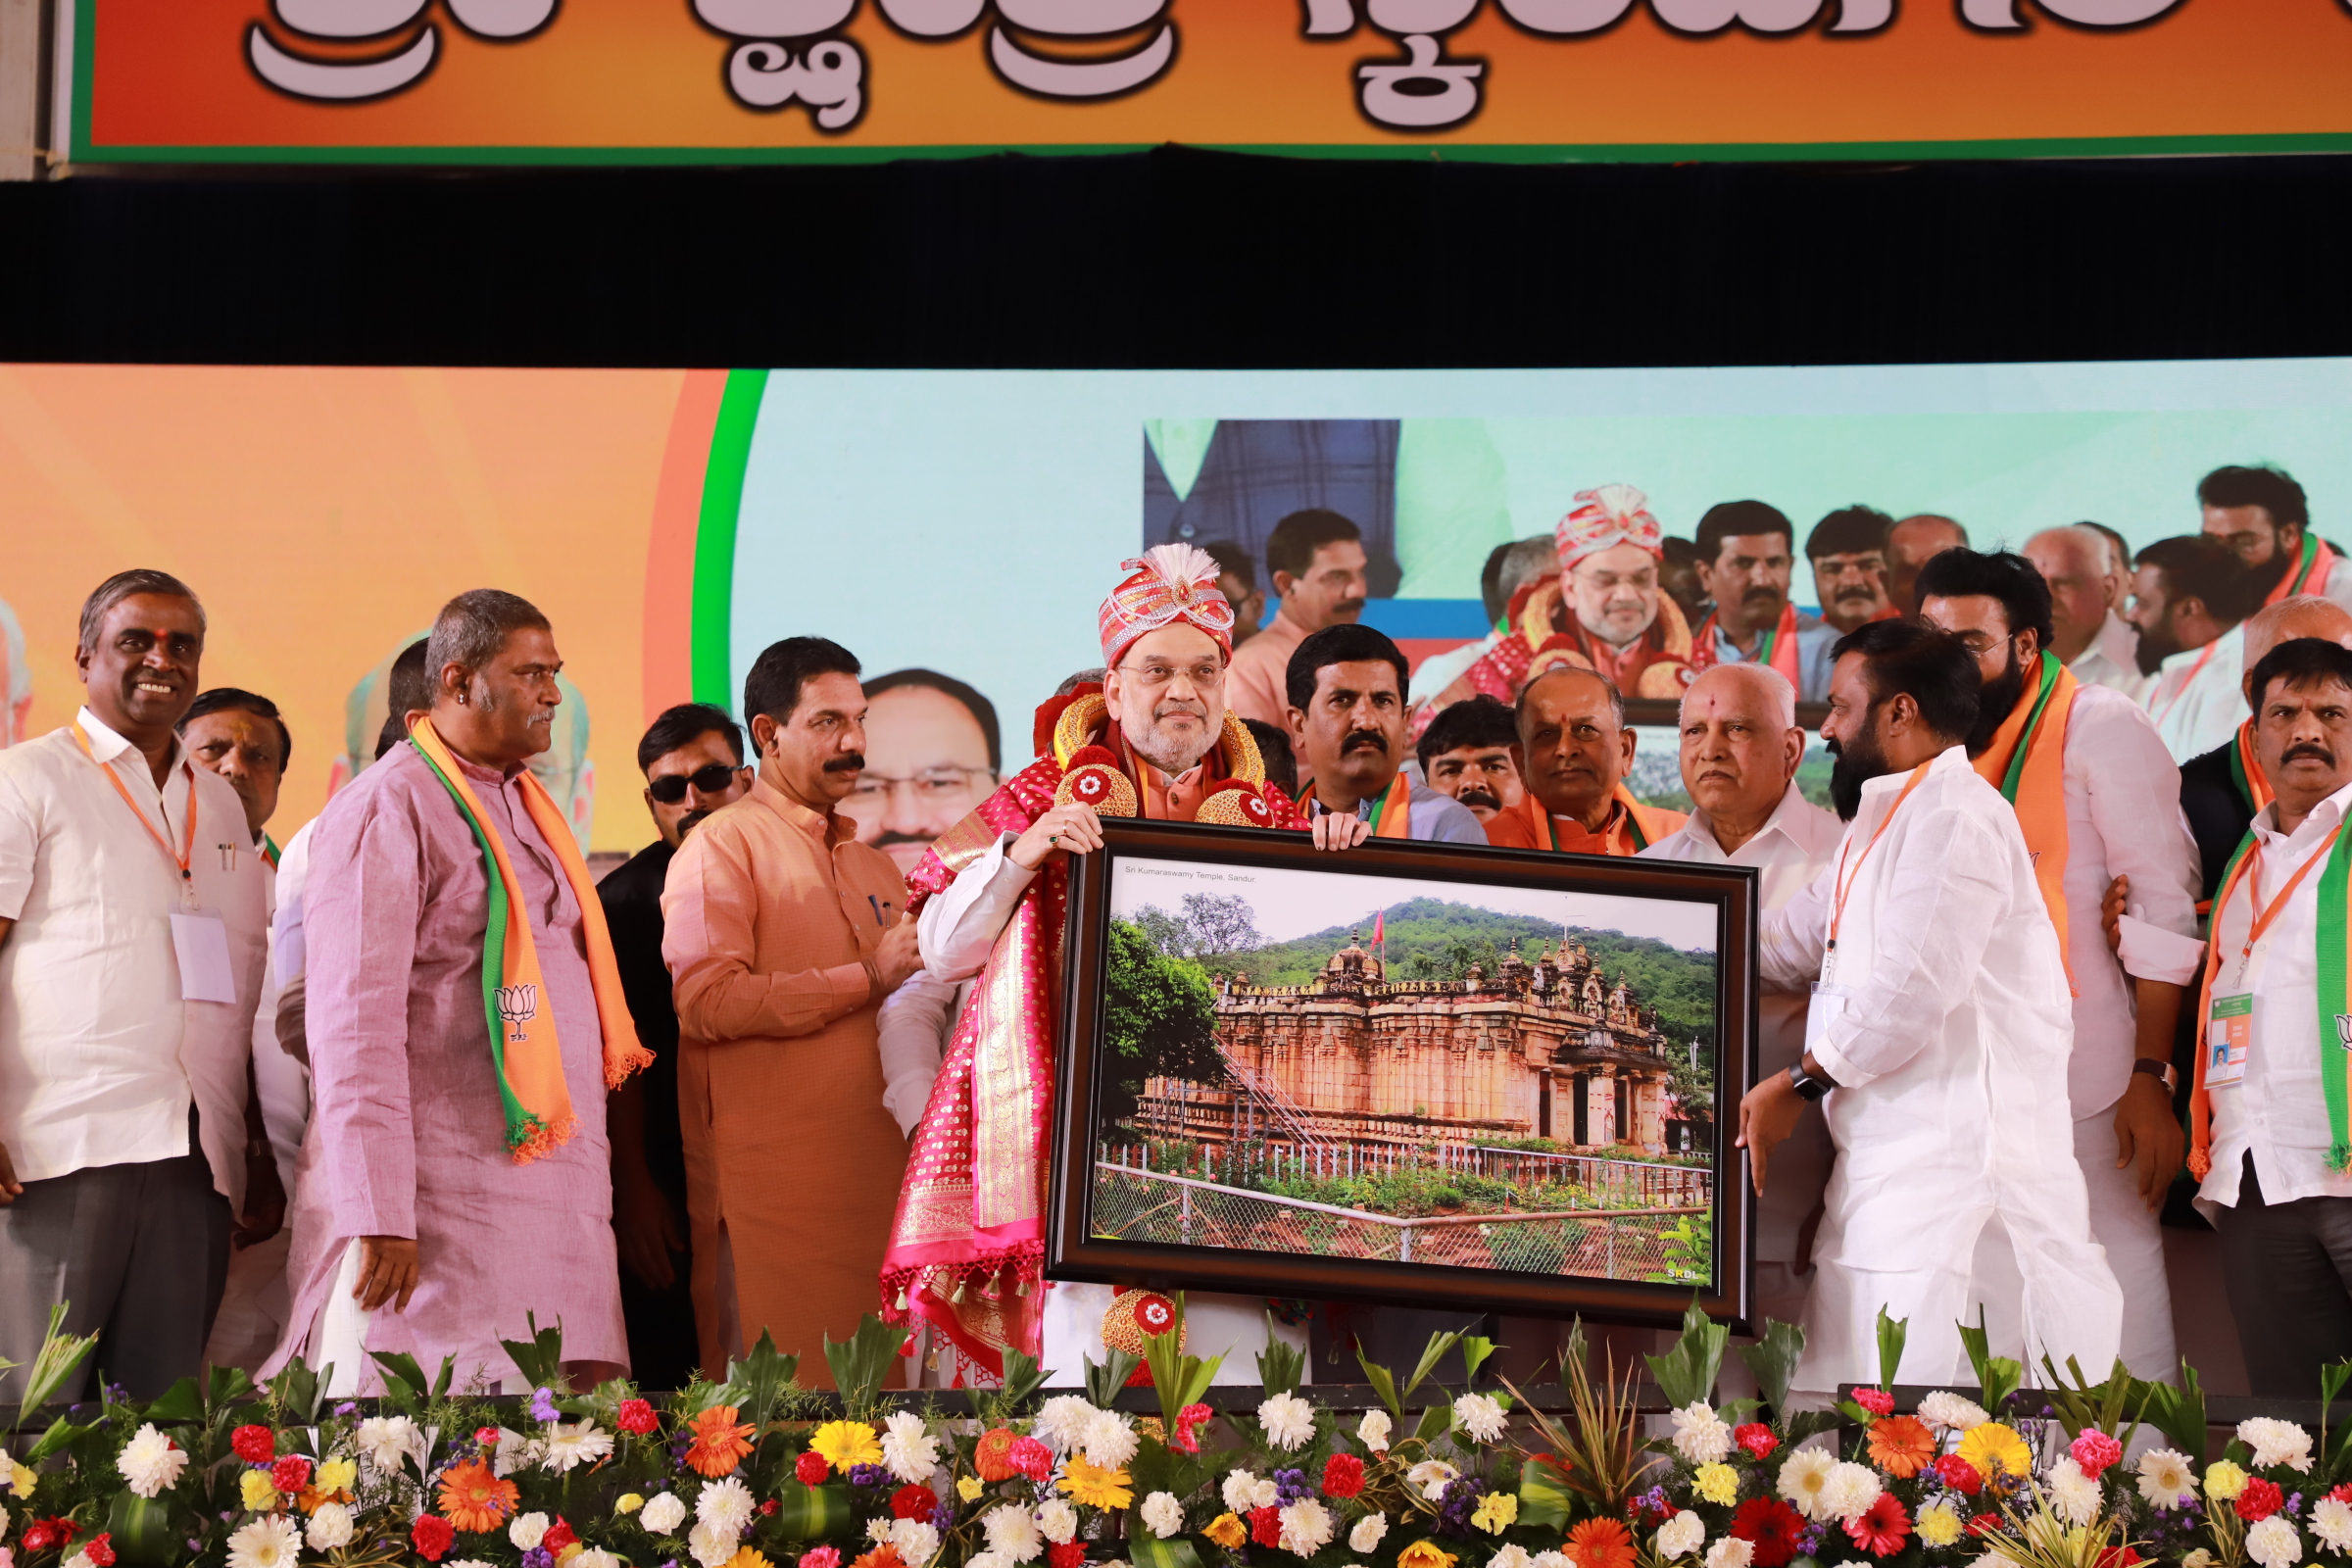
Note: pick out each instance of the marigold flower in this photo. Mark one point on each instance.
(254, 1444)
(1718, 1484)
(1343, 1476)
(719, 1443)
(636, 1417)
(1090, 1486)
(1600, 1543)
(432, 1536)
(1878, 1402)
(991, 1456)
(810, 1468)
(749, 1557)
(1901, 1445)
(844, 1442)
(1768, 1525)
(474, 1499)
(1227, 1530)
(1426, 1554)
(1994, 1446)
(1756, 1437)
(1882, 1527)
(2258, 1501)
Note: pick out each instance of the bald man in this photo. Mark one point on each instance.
(1909, 544)
(1573, 754)
(2088, 637)
(1740, 746)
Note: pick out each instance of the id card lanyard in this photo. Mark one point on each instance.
(2262, 915)
(1846, 879)
(184, 858)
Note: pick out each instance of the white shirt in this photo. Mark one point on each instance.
(2280, 1113)
(99, 1056)
(1788, 850)
(2198, 699)
(282, 1081)
(2112, 659)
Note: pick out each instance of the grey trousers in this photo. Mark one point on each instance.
(2289, 1277)
(139, 1252)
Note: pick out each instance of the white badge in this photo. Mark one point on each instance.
(201, 939)
(1828, 1003)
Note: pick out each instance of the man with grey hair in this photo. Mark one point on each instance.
(133, 920)
(1514, 567)
(2088, 637)
(436, 1157)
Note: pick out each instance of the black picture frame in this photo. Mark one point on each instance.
(1076, 1250)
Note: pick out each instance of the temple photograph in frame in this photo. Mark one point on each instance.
(1364, 1065)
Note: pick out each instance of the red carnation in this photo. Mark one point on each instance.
(1065, 1554)
(254, 1444)
(432, 1536)
(2094, 1450)
(1878, 1402)
(769, 1508)
(1959, 1475)
(1343, 1476)
(636, 1416)
(2344, 1494)
(1756, 1437)
(810, 1467)
(2120, 1557)
(101, 1550)
(1188, 1421)
(1031, 1458)
(1883, 1527)
(487, 1437)
(48, 1533)
(291, 1473)
(1984, 1524)
(912, 1502)
(1265, 1525)
(2261, 1499)
(559, 1536)
(1770, 1527)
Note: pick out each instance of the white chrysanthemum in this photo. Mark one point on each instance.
(988, 1559)
(1432, 1477)
(1550, 1559)
(1730, 1551)
(2275, 1443)
(1367, 1532)
(877, 1530)
(2074, 1496)
(150, 1462)
(1481, 1415)
(726, 1505)
(2331, 1522)
(1682, 1535)
(908, 1452)
(79, 1559)
(1511, 1557)
(1849, 1490)
(1264, 1492)
(1701, 1436)
(710, 1546)
(595, 1558)
(1013, 1531)
(528, 1530)
(2166, 1480)
(467, 1563)
(330, 1528)
(663, 1513)
(268, 1543)
(576, 1442)
(1163, 1515)
(2274, 1542)
(1307, 1528)
(1803, 1476)
(1951, 1413)
(1239, 1488)
(1374, 1429)
(916, 1540)
(1057, 1521)
(1060, 1422)
(384, 1440)
(1109, 1440)
(1288, 1420)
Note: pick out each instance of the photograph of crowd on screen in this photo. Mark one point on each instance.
(1412, 1073)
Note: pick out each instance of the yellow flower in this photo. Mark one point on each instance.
(1994, 1446)
(1495, 1511)
(1227, 1530)
(628, 1503)
(1092, 1487)
(1424, 1555)
(747, 1557)
(968, 1488)
(260, 1496)
(576, 1547)
(2223, 1481)
(20, 1479)
(335, 1475)
(1719, 1483)
(1939, 1525)
(846, 1442)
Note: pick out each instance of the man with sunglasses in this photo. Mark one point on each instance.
(692, 759)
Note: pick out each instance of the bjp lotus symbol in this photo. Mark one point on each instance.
(518, 1006)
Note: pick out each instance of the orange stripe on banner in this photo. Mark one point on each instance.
(669, 552)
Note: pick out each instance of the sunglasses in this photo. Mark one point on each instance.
(670, 789)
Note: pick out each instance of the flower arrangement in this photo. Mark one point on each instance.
(757, 1472)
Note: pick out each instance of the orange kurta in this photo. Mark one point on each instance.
(772, 914)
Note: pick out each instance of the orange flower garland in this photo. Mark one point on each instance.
(474, 1499)
(1901, 1445)
(718, 1444)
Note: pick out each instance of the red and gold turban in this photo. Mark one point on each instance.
(1168, 583)
(1613, 515)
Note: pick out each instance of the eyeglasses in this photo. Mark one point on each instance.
(671, 788)
(1153, 674)
(933, 786)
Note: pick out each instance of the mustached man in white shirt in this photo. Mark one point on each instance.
(1936, 1037)
(132, 921)
(2269, 1134)
(1741, 751)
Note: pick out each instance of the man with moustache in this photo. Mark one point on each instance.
(1848, 551)
(931, 754)
(1466, 752)
(2270, 1139)
(1910, 544)
(2094, 642)
(1157, 740)
(2189, 596)
(692, 759)
(2260, 515)
(2095, 797)
(1317, 561)
(1346, 692)
(783, 934)
(1740, 748)
(1573, 753)
(1937, 1021)
(1744, 566)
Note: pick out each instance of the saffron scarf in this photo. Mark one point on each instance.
(2027, 763)
(1776, 646)
(524, 1053)
(1390, 811)
(2332, 937)
(2313, 568)
(1634, 831)
(2245, 771)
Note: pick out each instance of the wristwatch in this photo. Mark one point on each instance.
(2159, 1069)
(1810, 1085)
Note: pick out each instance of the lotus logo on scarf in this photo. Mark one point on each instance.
(2343, 1030)
(518, 1005)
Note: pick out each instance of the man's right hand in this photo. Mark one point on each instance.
(1767, 1114)
(11, 1189)
(2111, 911)
(646, 1227)
(387, 1269)
(1072, 830)
(899, 955)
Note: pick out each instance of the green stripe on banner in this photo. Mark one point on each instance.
(2335, 1052)
(714, 624)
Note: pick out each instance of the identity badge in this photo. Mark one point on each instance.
(1828, 1001)
(2229, 1034)
(201, 942)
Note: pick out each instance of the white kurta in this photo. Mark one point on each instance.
(2199, 698)
(2112, 659)
(1952, 1042)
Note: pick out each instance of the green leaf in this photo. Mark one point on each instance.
(1179, 1379)
(1146, 1550)
(1997, 1377)
(1891, 1334)
(229, 1386)
(1431, 1355)
(1106, 1377)
(1685, 1374)
(1383, 1381)
(60, 1432)
(299, 1388)
(2178, 1413)
(141, 1530)
(402, 1377)
(1023, 1377)
(181, 1403)
(1773, 1360)
(762, 1376)
(1475, 1350)
(540, 1358)
(2332, 1449)
(1543, 1500)
(860, 1362)
(61, 1355)
(1281, 1364)
(1436, 1422)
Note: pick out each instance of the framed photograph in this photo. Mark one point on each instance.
(1409, 1074)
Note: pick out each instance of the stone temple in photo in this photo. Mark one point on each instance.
(1549, 1049)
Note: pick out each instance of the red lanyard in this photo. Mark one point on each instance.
(2263, 916)
(1845, 878)
(2188, 680)
(187, 843)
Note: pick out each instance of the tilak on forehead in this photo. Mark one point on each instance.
(1166, 584)
(1603, 518)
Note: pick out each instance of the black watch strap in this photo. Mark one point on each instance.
(1810, 1085)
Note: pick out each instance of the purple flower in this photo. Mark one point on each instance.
(543, 1406)
(1457, 1504)
(538, 1557)
(942, 1517)
(347, 1407)
(194, 1544)
(1290, 1486)
(1808, 1540)
(869, 1475)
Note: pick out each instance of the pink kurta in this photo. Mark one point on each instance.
(408, 1136)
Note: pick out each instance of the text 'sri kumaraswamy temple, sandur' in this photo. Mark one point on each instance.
(1544, 1050)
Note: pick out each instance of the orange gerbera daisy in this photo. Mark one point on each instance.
(1901, 1445)
(991, 1457)
(474, 1499)
(1601, 1544)
(885, 1555)
(718, 1444)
